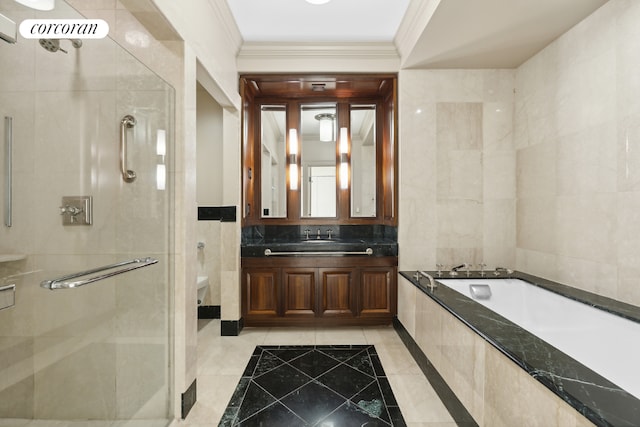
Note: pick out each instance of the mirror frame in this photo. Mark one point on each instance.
(297, 90)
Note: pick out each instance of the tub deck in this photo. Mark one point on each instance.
(597, 398)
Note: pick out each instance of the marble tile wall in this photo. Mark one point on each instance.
(209, 258)
(576, 127)
(457, 168)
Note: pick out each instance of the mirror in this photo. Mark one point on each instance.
(273, 160)
(318, 160)
(363, 160)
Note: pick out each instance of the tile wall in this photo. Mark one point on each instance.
(457, 168)
(535, 168)
(577, 135)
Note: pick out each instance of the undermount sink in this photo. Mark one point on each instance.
(331, 241)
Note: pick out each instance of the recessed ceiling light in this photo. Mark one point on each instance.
(38, 4)
(318, 1)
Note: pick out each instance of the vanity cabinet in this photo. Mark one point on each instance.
(319, 291)
(319, 191)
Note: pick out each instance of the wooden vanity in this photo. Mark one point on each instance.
(300, 185)
(349, 290)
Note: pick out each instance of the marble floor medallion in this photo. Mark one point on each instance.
(324, 386)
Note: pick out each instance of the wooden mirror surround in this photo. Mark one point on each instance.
(274, 104)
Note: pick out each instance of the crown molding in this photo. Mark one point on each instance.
(303, 49)
(418, 15)
(223, 12)
(302, 56)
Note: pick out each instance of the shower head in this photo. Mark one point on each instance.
(53, 45)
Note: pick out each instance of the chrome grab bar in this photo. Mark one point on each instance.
(127, 122)
(269, 252)
(432, 282)
(65, 282)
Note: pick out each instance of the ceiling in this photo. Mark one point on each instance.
(458, 34)
(335, 21)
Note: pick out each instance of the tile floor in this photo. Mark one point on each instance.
(222, 361)
(319, 385)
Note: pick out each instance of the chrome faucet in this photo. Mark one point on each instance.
(499, 270)
(329, 232)
(454, 270)
(306, 233)
(482, 266)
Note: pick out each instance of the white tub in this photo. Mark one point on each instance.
(605, 343)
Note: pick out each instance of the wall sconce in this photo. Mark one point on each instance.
(344, 158)
(293, 159)
(326, 126)
(38, 4)
(161, 142)
(161, 151)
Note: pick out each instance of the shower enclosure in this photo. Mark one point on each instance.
(97, 354)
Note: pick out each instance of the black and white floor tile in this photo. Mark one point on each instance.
(317, 385)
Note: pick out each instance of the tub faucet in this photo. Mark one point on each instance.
(454, 270)
(499, 270)
(482, 266)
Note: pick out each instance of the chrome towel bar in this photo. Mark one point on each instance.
(269, 252)
(66, 282)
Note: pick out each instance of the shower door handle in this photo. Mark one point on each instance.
(127, 122)
(67, 282)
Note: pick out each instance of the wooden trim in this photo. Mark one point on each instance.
(344, 89)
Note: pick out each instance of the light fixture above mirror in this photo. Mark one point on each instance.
(327, 126)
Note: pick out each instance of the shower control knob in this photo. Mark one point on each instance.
(71, 210)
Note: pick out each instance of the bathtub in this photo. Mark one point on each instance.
(582, 347)
(606, 343)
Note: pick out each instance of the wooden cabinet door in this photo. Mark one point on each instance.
(299, 291)
(261, 292)
(337, 292)
(378, 292)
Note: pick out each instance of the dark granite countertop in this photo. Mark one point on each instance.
(324, 246)
(598, 399)
(345, 240)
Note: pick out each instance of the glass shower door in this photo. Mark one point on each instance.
(98, 354)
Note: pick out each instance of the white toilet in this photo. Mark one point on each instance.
(203, 287)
